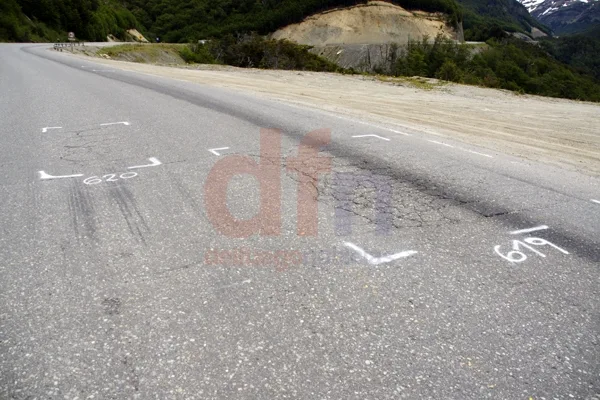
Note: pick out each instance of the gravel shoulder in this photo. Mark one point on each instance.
(560, 132)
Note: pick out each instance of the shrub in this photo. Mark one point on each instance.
(198, 54)
(509, 64)
(255, 51)
(449, 71)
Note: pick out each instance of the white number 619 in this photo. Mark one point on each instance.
(517, 256)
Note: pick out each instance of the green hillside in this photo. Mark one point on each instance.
(510, 15)
(507, 63)
(177, 21)
(582, 52)
(188, 20)
(49, 20)
(171, 20)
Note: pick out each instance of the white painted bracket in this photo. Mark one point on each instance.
(45, 176)
(155, 162)
(529, 230)
(379, 260)
(215, 151)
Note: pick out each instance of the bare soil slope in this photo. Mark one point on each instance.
(376, 22)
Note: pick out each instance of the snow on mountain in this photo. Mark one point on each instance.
(531, 4)
(565, 16)
(542, 6)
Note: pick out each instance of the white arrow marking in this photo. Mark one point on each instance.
(155, 163)
(44, 130)
(537, 228)
(116, 123)
(381, 260)
(45, 176)
(376, 136)
(596, 201)
(214, 151)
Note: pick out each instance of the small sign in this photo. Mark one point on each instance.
(71, 36)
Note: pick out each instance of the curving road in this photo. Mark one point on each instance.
(167, 240)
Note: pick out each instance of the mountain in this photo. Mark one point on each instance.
(172, 20)
(482, 17)
(565, 16)
(190, 20)
(581, 51)
(184, 20)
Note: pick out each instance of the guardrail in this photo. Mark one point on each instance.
(61, 46)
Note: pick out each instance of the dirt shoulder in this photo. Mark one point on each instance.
(554, 131)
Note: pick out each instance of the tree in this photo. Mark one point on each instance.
(449, 71)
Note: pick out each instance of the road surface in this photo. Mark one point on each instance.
(167, 240)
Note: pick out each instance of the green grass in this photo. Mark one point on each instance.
(151, 50)
(414, 81)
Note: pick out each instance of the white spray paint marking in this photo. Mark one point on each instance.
(440, 143)
(476, 152)
(543, 242)
(367, 123)
(517, 253)
(375, 136)
(155, 162)
(528, 230)
(395, 131)
(45, 176)
(215, 151)
(116, 123)
(381, 260)
(44, 130)
(595, 201)
(94, 180)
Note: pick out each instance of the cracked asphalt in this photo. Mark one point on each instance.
(231, 276)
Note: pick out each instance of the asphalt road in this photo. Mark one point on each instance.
(136, 261)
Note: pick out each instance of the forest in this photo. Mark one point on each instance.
(190, 20)
(50, 20)
(174, 21)
(505, 63)
(581, 52)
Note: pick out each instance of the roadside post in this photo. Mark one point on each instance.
(71, 37)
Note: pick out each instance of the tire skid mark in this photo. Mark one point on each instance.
(187, 196)
(82, 212)
(136, 222)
